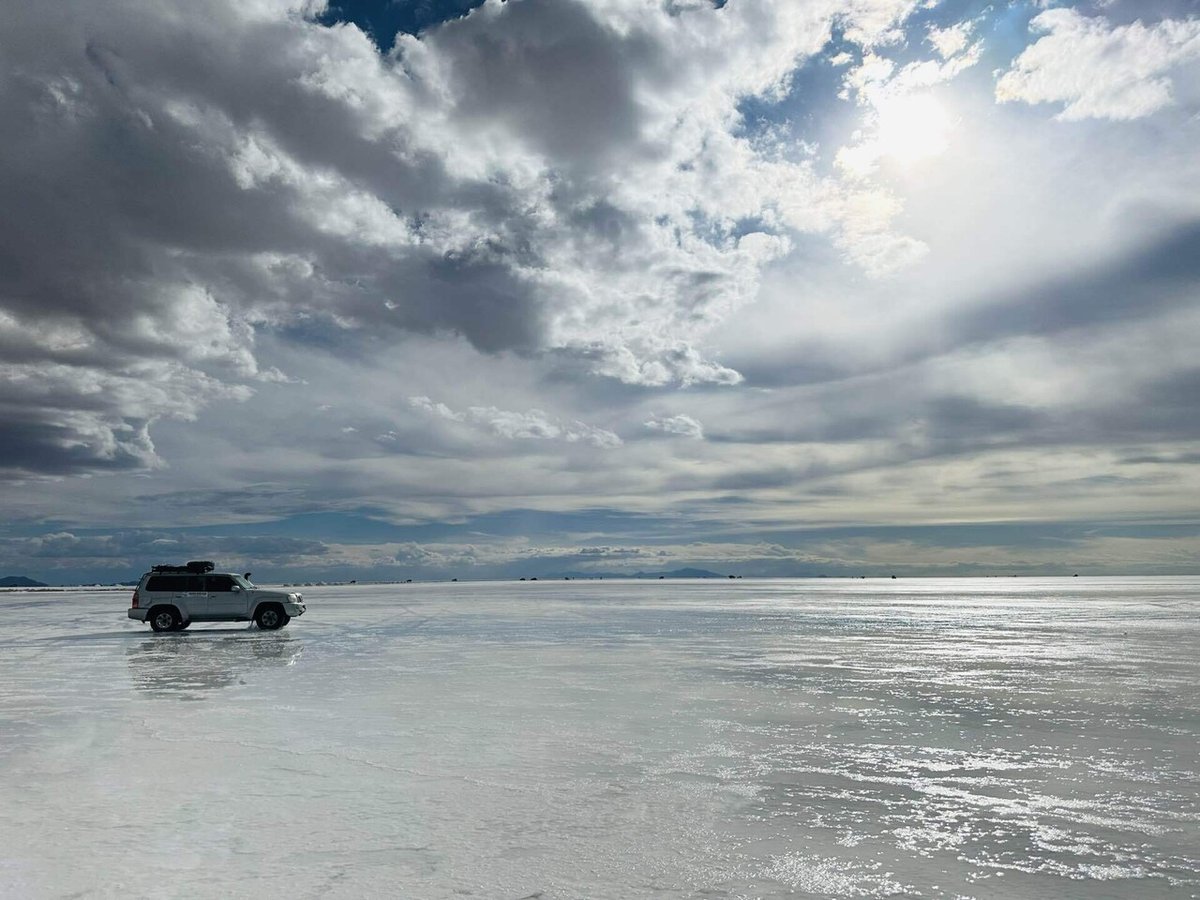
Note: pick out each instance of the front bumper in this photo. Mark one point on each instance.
(294, 609)
(139, 614)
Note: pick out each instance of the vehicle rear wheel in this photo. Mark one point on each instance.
(184, 625)
(271, 617)
(164, 618)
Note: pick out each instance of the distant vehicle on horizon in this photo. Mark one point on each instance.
(172, 597)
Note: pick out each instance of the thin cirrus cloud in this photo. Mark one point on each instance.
(533, 424)
(681, 425)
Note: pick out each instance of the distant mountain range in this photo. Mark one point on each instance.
(674, 573)
(680, 573)
(20, 581)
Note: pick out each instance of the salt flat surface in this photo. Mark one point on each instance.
(976, 738)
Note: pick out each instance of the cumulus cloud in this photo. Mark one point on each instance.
(538, 177)
(1100, 70)
(58, 419)
(533, 424)
(951, 40)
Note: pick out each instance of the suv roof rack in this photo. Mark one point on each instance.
(194, 567)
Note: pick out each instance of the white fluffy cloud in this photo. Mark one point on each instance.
(1100, 70)
(951, 40)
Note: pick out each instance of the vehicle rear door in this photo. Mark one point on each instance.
(192, 597)
(178, 590)
(224, 602)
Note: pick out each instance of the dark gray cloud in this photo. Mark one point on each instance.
(1108, 337)
(554, 75)
(1160, 273)
(54, 449)
(1168, 409)
(124, 555)
(1164, 273)
(252, 500)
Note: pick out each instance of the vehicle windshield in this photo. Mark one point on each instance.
(244, 582)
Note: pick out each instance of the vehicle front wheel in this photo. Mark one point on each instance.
(271, 617)
(165, 618)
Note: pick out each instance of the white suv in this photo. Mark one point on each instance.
(171, 598)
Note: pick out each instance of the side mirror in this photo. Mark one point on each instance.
(237, 588)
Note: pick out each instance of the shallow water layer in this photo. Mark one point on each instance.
(975, 738)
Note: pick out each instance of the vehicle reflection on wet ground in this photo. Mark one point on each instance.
(185, 665)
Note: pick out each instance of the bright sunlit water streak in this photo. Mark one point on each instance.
(987, 738)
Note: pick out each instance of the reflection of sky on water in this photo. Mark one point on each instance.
(1015, 738)
(943, 739)
(186, 665)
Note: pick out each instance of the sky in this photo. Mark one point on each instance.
(441, 288)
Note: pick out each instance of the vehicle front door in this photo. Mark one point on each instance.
(226, 600)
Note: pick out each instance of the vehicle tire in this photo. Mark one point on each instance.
(270, 617)
(184, 625)
(164, 618)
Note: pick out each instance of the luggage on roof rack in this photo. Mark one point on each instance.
(194, 567)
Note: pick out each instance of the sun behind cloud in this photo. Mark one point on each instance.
(913, 127)
(902, 129)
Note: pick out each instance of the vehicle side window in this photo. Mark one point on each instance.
(168, 583)
(220, 583)
(195, 584)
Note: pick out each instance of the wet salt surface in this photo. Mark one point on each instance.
(976, 738)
